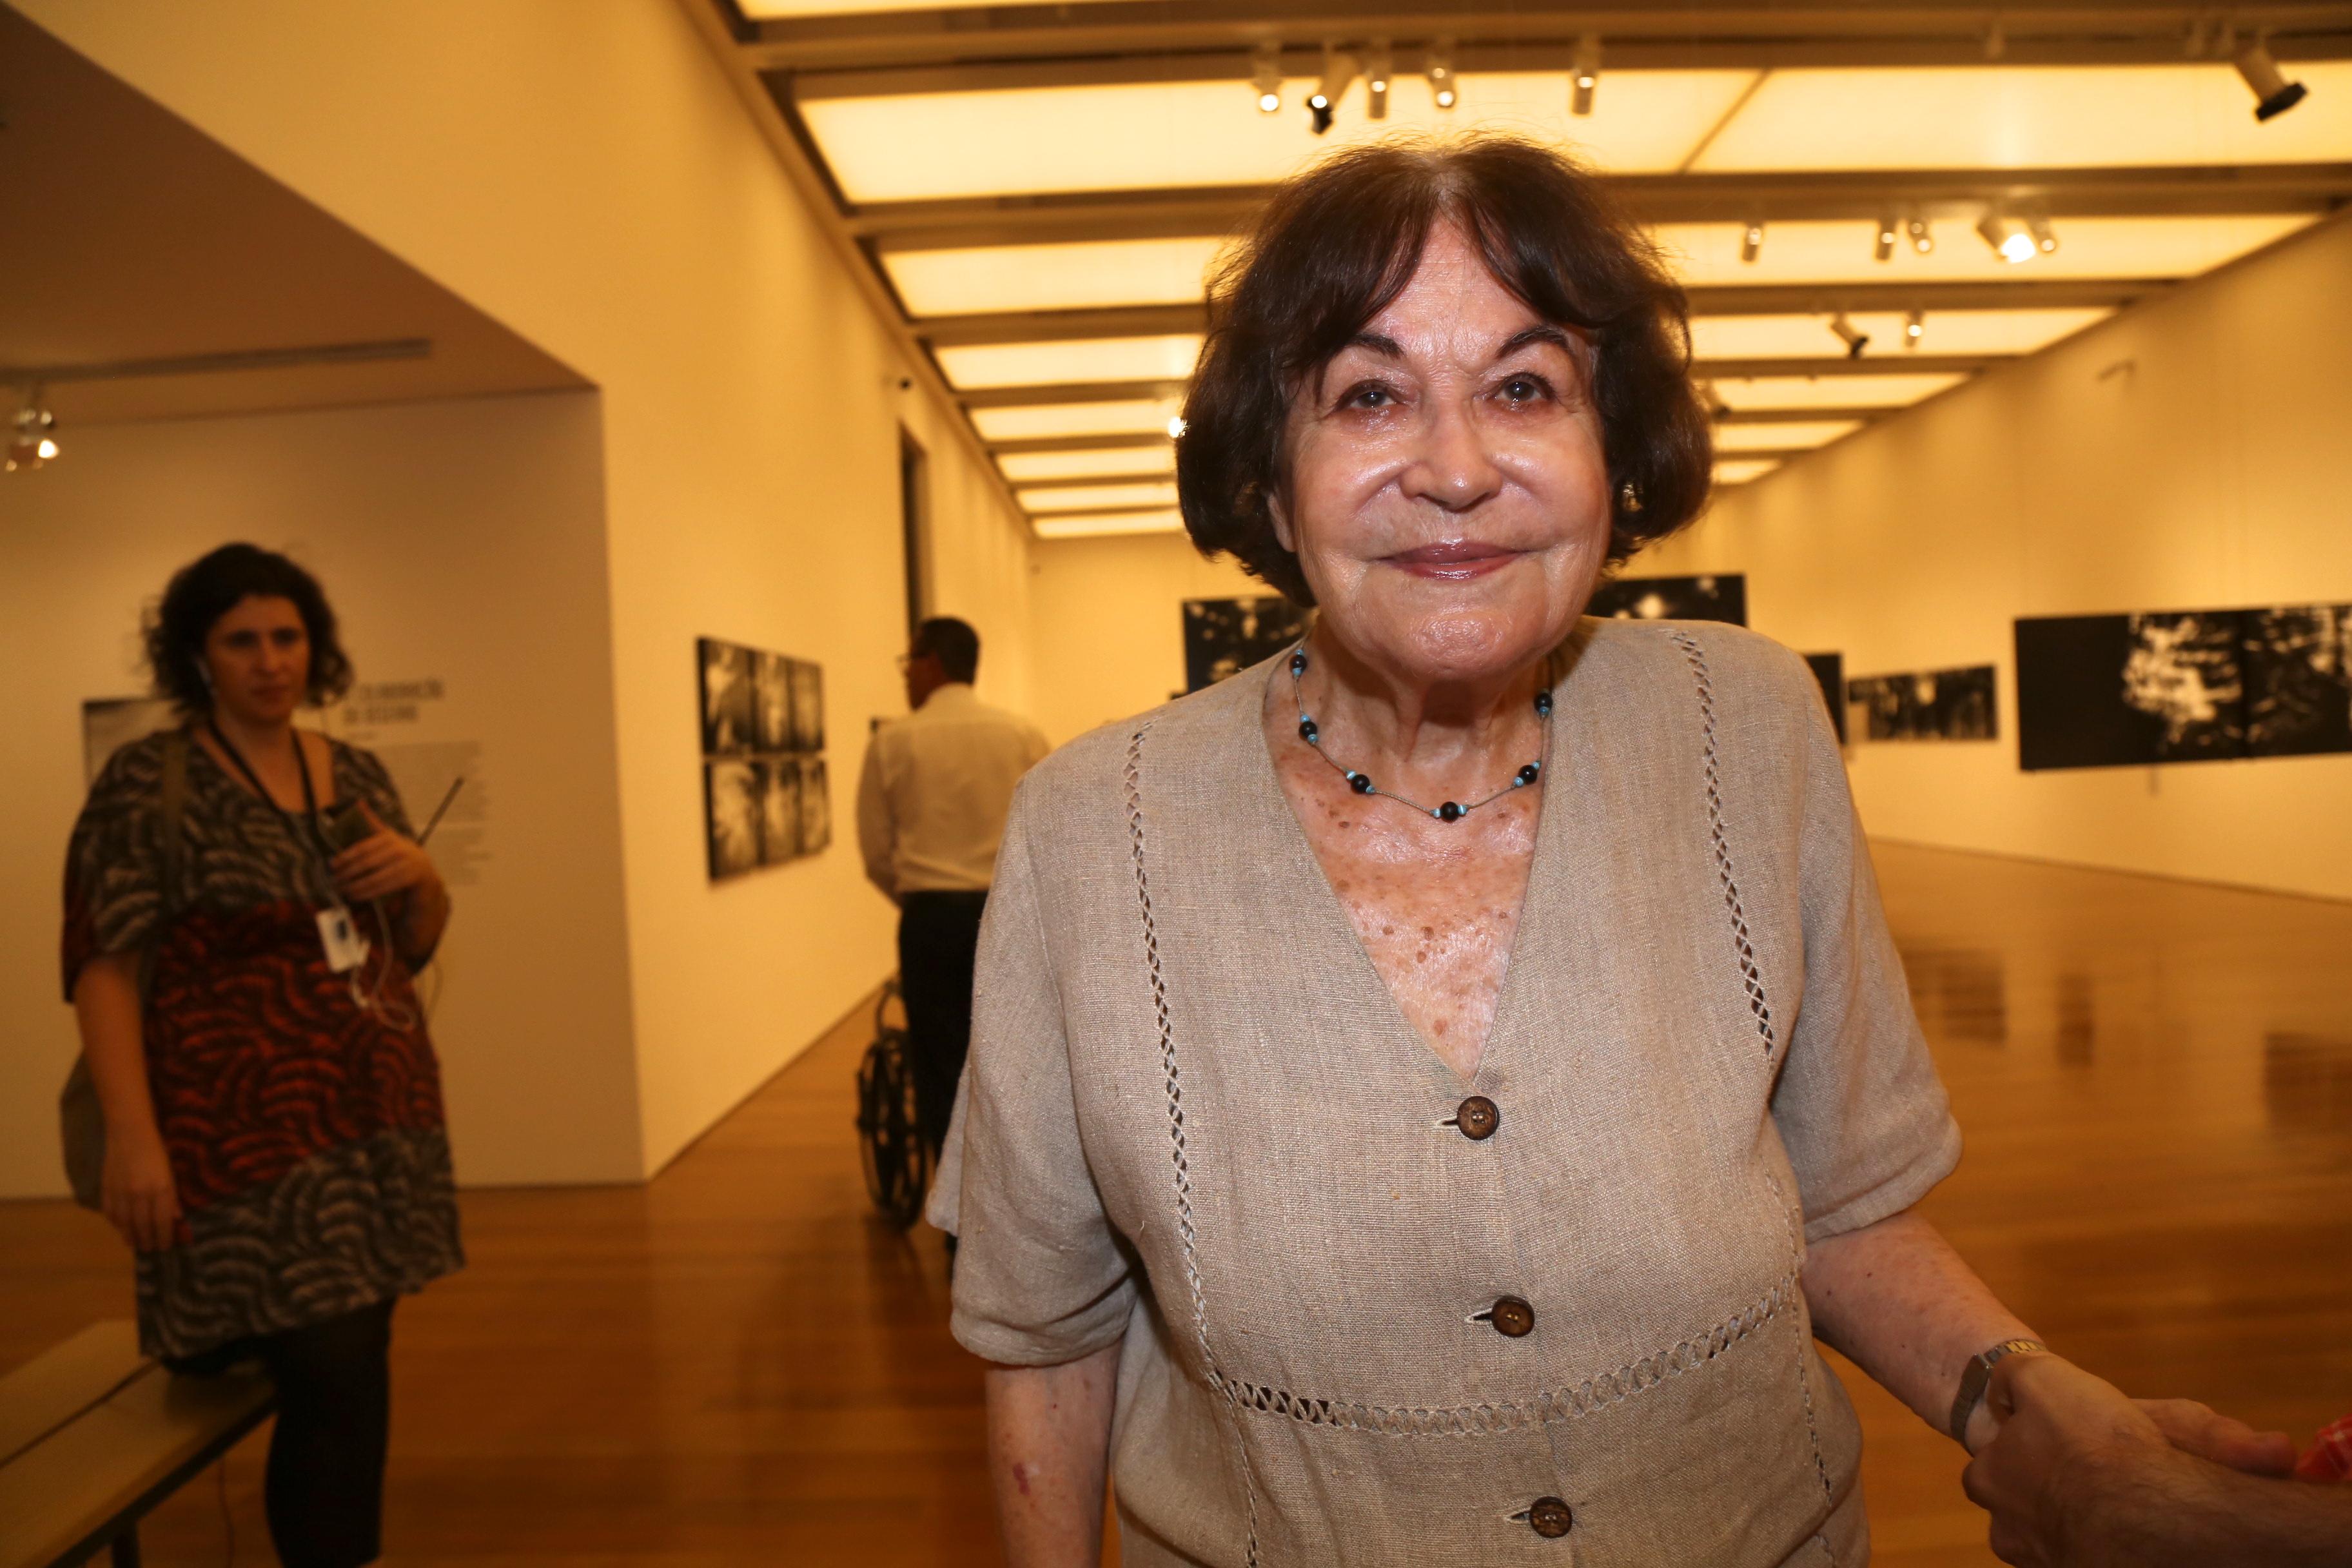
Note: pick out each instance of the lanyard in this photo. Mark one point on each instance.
(314, 838)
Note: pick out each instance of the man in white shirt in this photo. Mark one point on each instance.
(931, 810)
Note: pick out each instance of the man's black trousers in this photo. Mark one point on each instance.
(938, 933)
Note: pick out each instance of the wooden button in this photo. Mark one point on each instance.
(1511, 1317)
(1477, 1118)
(1549, 1518)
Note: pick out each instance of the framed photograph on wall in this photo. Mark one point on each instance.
(730, 707)
(1224, 637)
(816, 807)
(732, 816)
(1829, 672)
(763, 785)
(1720, 597)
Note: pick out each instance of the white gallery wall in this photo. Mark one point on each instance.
(586, 174)
(462, 544)
(2193, 453)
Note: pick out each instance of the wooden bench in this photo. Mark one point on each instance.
(93, 1435)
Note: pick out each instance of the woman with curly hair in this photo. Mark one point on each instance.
(246, 909)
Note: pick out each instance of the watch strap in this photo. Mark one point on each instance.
(1977, 1376)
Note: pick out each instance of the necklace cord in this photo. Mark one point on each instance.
(1448, 811)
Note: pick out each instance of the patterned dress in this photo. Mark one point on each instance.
(304, 1127)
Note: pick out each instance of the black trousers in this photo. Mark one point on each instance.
(323, 1491)
(938, 933)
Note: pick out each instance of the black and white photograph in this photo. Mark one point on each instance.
(808, 705)
(816, 807)
(2183, 686)
(731, 801)
(1224, 637)
(111, 723)
(1829, 669)
(772, 687)
(1925, 705)
(777, 783)
(728, 709)
(1718, 598)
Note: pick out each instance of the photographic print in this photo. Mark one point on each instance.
(1718, 598)
(727, 704)
(1925, 705)
(1829, 669)
(2182, 686)
(808, 705)
(1224, 637)
(111, 723)
(777, 783)
(772, 702)
(731, 801)
(816, 807)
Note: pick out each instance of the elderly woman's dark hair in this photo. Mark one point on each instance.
(205, 589)
(1338, 245)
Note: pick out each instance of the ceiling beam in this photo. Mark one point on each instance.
(1152, 476)
(225, 362)
(1745, 300)
(1800, 416)
(2029, 30)
(1105, 511)
(1862, 197)
(1076, 444)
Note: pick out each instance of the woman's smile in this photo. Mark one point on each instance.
(1456, 560)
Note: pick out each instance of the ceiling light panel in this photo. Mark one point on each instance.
(1797, 435)
(1103, 526)
(931, 146)
(1087, 463)
(1052, 421)
(1740, 470)
(792, 10)
(1744, 393)
(1069, 362)
(1707, 254)
(1948, 332)
(981, 280)
(1098, 498)
(2026, 117)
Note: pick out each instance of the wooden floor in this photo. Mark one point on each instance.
(736, 1364)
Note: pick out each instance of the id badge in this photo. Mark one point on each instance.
(346, 949)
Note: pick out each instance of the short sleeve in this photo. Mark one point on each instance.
(1860, 1108)
(114, 862)
(1040, 1275)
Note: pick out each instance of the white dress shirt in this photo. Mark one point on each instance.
(937, 785)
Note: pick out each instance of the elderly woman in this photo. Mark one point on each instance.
(1428, 1092)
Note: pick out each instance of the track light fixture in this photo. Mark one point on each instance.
(1751, 240)
(1914, 327)
(1923, 237)
(2007, 238)
(1376, 82)
(1439, 66)
(33, 440)
(1588, 73)
(2045, 238)
(1854, 339)
(1339, 71)
(2274, 94)
(1883, 248)
(1266, 76)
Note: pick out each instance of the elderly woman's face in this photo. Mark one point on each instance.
(1443, 486)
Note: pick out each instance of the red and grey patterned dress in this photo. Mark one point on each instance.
(305, 1129)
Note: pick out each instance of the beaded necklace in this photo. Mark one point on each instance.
(1448, 811)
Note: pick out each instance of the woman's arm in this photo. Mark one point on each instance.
(1048, 1450)
(136, 1190)
(388, 863)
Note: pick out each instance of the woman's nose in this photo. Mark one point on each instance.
(1453, 467)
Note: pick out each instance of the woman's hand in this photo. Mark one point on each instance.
(138, 1194)
(383, 864)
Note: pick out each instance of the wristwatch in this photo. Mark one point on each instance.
(1978, 1374)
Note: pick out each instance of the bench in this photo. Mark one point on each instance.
(93, 1435)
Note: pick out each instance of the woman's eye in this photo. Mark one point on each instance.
(1370, 397)
(1524, 388)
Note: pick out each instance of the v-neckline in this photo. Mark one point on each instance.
(1293, 832)
(329, 797)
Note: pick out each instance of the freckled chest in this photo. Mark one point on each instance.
(1435, 904)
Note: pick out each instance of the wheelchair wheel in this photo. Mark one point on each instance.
(896, 1162)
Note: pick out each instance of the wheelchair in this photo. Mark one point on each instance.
(890, 1147)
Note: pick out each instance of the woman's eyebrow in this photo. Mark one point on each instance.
(1539, 334)
(1384, 346)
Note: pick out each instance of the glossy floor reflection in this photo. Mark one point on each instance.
(736, 1364)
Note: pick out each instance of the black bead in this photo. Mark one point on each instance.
(1298, 662)
(1527, 774)
(1360, 784)
(1307, 731)
(1543, 704)
(1449, 812)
